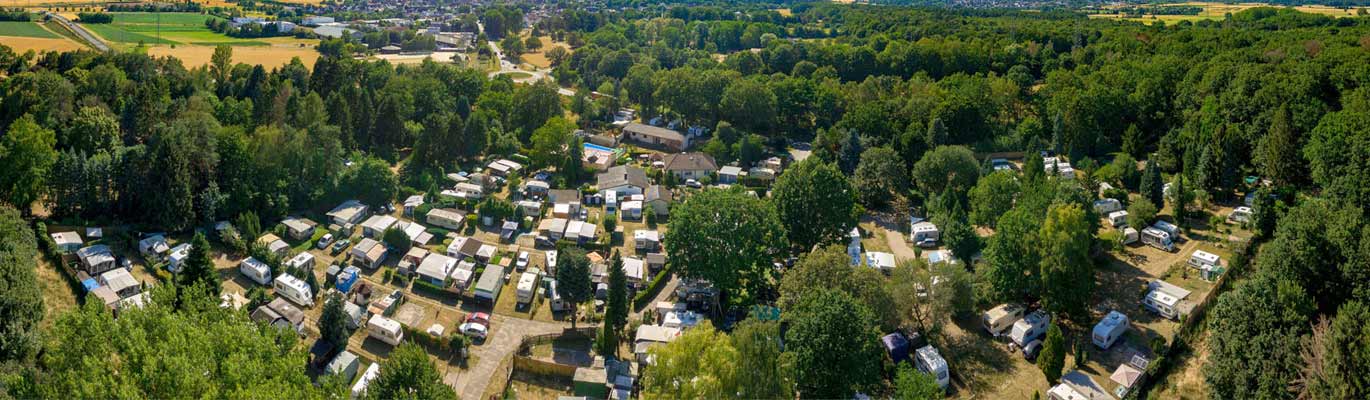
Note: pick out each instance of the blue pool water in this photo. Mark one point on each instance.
(598, 147)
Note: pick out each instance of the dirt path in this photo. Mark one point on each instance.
(505, 335)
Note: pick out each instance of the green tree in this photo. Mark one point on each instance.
(760, 373)
(727, 237)
(829, 267)
(1012, 257)
(1251, 354)
(1338, 154)
(1152, 186)
(815, 202)
(1052, 358)
(880, 176)
(616, 308)
(333, 322)
(370, 181)
(93, 129)
(198, 269)
(1140, 214)
(1336, 357)
(947, 167)
(1277, 153)
(1133, 141)
(21, 301)
(959, 236)
(852, 149)
(409, 374)
(573, 279)
(750, 105)
(606, 341)
(700, 364)
(991, 197)
(832, 347)
(26, 156)
(397, 240)
(551, 143)
(912, 384)
(1067, 271)
(533, 106)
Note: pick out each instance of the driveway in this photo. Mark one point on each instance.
(505, 336)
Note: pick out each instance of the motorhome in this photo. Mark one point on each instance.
(1117, 219)
(385, 329)
(1030, 328)
(925, 234)
(1109, 329)
(1170, 228)
(1201, 258)
(255, 270)
(294, 289)
(359, 389)
(930, 362)
(1157, 238)
(528, 285)
(1000, 318)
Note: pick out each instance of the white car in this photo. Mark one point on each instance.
(473, 329)
(693, 183)
(325, 240)
(522, 261)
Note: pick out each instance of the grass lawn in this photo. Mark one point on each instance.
(519, 75)
(25, 29)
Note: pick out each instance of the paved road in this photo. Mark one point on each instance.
(79, 31)
(505, 336)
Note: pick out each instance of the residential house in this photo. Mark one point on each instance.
(649, 336)
(317, 21)
(1165, 299)
(449, 218)
(465, 190)
(411, 259)
(631, 210)
(655, 262)
(368, 253)
(348, 213)
(624, 180)
(176, 256)
(580, 232)
(692, 165)
(552, 228)
(508, 231)
(67, 242)
(659, 198)
(465, 247)
(636, 271)
(415, 232)
(97, 259)
(529, 207)
(655, 137)
(375, 226)
(503, 167)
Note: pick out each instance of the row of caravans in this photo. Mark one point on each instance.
(1025, 329)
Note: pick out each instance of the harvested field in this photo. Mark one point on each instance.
(23, 44)
(270, 55)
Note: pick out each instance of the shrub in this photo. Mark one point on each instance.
(645, 296)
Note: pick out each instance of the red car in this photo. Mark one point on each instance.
(479, 318)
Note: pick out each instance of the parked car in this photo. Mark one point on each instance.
(325, 240)
(522, 261)
(474, 330)
(1031, 349)
(341, 245)
(479, 318)
(693, 183)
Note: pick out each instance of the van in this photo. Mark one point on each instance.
(1000, 318)
(930, 362)
(1030, 328)
(1109, 329)
(1170, 228)
(1157, 238)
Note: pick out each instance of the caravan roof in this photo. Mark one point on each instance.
(1205, 257)
(1167, 227)
(1112, 321)
(928, 356)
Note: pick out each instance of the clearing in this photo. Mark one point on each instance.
(539, 58)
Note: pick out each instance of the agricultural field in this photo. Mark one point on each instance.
(25, 36)
(184, 36)
(1217, 11)
(539, 58)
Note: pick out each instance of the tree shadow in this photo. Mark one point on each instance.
(976, 357)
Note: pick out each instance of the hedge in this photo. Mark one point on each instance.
(646, 295)
(49, 249)
(424, 286)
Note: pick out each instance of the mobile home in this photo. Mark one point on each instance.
(1201, 258)
(528, 285)
(930, 362)
(385, 329)
(255, 270)
(1030, 328)
(304, 261)
(1240, 215)
(1118, 219)
(1109, 329)
(294, 289)
(1170, 228)
(1000, 318)
(1157, 238)
(359, 389)
(490, 283)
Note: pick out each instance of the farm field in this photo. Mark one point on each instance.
(184, 36)
(271, 52)
(25, 36)
(1216, 11)
(25, 29)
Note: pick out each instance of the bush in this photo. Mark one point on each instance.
(645, 296)
(424, 286)
(95, 18)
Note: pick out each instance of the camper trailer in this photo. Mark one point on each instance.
(1157, 238)
(255, 270)
(925, 234)
(1000, 318)
(359, 389)
(1201, 259)
(1117, 219)
(1164, 299)
(304, 261)
(1106, 206)
(1130, 235)
(930, 362)
(1030, 328)
(1109, 329)
(385, 329)
(1240, 215)
(528, 285)
(294, 289)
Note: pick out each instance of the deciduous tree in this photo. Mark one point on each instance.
(409, 373)
(727, 237)
(815, 202)
(832, 347)
(573, 279)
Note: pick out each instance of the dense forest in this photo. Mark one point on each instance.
(895, 101)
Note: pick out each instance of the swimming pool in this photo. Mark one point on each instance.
(592, 146)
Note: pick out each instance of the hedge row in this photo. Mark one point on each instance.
(645, 296)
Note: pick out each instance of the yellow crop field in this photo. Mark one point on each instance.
(1216, 11)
